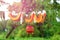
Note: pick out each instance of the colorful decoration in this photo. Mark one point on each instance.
(29, 29)
(39, 18)
(16, 18)
(30, 19)
(33, 17)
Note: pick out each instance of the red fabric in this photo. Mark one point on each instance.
(29, 29)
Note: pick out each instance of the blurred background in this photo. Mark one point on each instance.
(49, 30)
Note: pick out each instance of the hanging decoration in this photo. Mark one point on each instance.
(39, 18)
(29, 19)
(15, 18)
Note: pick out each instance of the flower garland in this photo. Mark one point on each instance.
(30, 18)
(15, 18)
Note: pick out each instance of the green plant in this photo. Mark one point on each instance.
(55, 37)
